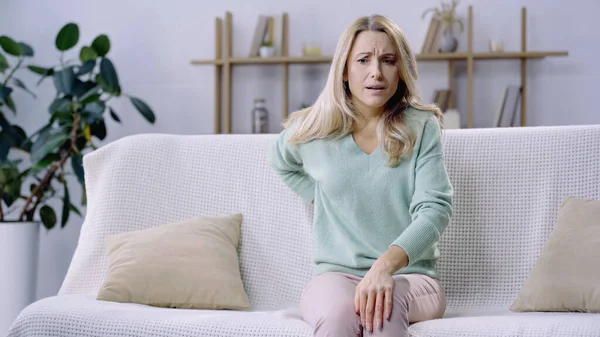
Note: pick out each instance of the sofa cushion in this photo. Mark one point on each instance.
(83, 316)
(565, 277)
(190, 264)
(501, 322)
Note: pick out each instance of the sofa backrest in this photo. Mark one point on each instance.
(509, 184)
(147, 180)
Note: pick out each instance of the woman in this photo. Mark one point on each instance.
(368, 154)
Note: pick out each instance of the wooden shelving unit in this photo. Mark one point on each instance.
(223, 63)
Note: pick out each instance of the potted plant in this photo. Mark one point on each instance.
(266, 49)
(34, 168)
(446, 13)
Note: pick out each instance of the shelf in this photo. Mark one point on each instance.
(267, 60)
(420, 57)
(442, 57)
(518, 55)
(223, 63)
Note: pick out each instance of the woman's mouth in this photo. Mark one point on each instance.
(376, 89)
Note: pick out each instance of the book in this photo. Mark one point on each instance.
(261, 31)
(506, 115)
(433, 37)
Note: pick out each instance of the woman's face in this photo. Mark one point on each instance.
(372, 71)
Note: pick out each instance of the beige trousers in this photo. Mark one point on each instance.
(327, 304)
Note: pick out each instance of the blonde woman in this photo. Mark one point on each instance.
(368, 154)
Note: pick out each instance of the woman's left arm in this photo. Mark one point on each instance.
(431, 205)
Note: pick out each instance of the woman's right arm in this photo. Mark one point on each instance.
(286, 160)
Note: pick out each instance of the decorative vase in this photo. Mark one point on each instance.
(448, 43)
(19, 243)
(260, 117)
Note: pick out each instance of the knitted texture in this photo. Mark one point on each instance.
(508, 183)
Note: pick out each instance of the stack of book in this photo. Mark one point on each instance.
(264, 34)
(431, 45)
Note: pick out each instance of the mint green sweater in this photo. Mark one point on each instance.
(362, 206)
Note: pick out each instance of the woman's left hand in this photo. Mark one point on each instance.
(373, 298)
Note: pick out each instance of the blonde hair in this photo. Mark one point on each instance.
(333, 114)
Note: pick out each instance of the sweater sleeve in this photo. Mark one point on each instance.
(431, 205)
(286, 160)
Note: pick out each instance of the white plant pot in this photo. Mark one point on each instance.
(265, 51)
(19, 243)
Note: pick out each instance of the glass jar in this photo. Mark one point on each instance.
(260, 117)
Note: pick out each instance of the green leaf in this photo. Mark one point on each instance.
(87, 54)
(44, 163)
(64, 80)
(4, 92)
(144, 109)
(80, 142)
(101, 82)
(114, 115)
(77, 165)
(5, 144)
(90, 93)
(45, 72)
(10, 104)
(26, 49)
(86, 67)
(47, 142)
(8, 200)
(67, 37)
(75, 209)
(20, 140)
(66, 209)
(59, 104)
(8, 129)
(98, 129)
(13, 132)
(21, 85)
(10, 46)
(90, 98)
(83, 195)
(14, 187)
(10, 180)
(109, 75)
(95, 108)
(79, 88)
(101, 45)
(48, 217)
(3, 63)
(63, 118)
(41, 71)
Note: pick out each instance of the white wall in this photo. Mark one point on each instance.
(154, 41)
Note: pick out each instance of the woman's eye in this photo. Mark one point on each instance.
(389, 61)
(362, 61)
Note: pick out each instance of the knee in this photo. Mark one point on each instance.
(339, 320)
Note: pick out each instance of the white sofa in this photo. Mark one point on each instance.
(509, 183)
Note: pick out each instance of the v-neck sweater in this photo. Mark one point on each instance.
(362, 206)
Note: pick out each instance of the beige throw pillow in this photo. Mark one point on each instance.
(191, 264)
(566, 276)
